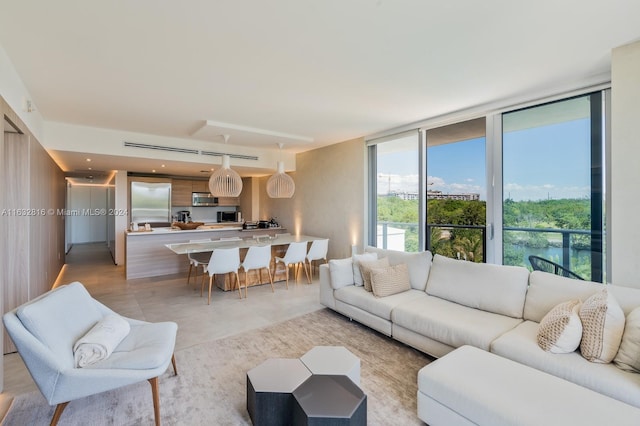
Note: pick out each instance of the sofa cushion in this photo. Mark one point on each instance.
(379, 306)
(450, 323)
(473, 387)
(520, 345)
(628, 356)
(357, 275)
(492, 288)
(60, 317)
(560, 331)
(390, 280)
(341, 272)
(603, 325)
(367, 265)
(419, 264)
(547, 290)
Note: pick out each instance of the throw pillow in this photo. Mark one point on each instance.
(602, 327)
(628, 357)
(341, 272)
(390, 280)
(365, 270)
(560, 331)
(357, 258)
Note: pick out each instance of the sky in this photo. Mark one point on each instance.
(551, 161)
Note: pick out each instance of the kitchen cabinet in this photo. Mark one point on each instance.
(228, 201)
(181, 192)
(200, 186)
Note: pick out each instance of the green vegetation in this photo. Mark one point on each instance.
(467, 243)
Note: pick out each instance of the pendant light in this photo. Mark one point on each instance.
(225, 182)
(280, 185)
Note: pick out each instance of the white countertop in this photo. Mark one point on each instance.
(176, 231)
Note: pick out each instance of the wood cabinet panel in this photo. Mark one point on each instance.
(229, 201)
(200, 185)
(181, 192)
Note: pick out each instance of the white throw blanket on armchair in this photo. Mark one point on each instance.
(100, 341)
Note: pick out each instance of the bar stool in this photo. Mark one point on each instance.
(317, 251)
(257, 257)
(295, 255)
(222, 261)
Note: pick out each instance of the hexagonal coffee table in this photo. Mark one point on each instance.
(330, 401)
(333, 360)
(269, 390)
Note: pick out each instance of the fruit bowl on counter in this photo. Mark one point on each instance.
(185, 226)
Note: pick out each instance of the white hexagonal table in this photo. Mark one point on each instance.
(269, 390)
(333, 360)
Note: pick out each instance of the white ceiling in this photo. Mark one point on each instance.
(307, 73)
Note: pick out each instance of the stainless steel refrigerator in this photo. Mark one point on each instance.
(151, 203)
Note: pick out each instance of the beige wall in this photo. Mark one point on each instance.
(330, 196)
(625, 173)
(32, 192)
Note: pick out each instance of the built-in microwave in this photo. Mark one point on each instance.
(229, 217)
(203, 199)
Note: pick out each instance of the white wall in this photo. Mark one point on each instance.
(625, 157)
(15, 93)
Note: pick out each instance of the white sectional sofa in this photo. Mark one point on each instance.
(495, 308)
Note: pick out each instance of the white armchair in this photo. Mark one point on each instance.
(45, 329)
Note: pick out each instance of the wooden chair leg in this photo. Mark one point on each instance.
(304, 266)
(189, 274)
(56, 415)
(173, 361)
(238, 284)
(287, 275)
(270, 279)
(210, 283)
(156, 399)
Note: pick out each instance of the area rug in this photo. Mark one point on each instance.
(210, 388)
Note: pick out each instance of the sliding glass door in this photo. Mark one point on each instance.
(553, 186)
(395, 183)
(456, 190)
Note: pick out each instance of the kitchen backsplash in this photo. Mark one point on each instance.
(203, 214)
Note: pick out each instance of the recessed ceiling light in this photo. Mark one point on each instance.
(90, 168)
(88, 159)
(162, 165)
(154, 170)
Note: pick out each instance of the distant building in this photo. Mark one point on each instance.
(438, 195)
(435, 195)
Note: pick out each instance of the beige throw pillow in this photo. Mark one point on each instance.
(365, 270)
(602, 327)
(357, 258)
(628, 357)
(560, 331)
(390, 280)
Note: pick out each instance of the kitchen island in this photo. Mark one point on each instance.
(148, 256)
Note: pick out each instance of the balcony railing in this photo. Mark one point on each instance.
(596, 258)
(409, 228)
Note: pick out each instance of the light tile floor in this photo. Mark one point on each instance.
(168, 298)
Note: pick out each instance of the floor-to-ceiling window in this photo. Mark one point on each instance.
(552, 159)
(456, 190)
(395, 188)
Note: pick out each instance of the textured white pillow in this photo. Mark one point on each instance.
(341, 272)
(390, 280)
(357, 275)
(560, 331)
(628, 357)
(602, 327)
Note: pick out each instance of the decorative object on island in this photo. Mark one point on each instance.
(280, 185)
(225, 182)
